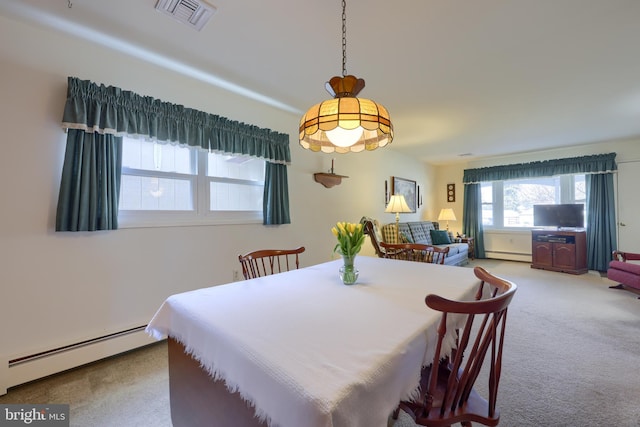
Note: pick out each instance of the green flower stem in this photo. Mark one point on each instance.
(348, 272)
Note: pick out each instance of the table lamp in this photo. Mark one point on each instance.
(397, 204)
(447, 215)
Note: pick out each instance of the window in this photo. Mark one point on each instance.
(164, 184)
(235, 183)
(509, 204)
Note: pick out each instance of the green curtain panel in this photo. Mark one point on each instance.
(598, 163)
(275, 200)
(601, 230)
(90, 186)
(472, 217)
(100, 110)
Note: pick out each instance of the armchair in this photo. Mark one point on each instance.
(627, 274)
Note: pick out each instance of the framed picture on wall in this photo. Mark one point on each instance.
(451, 192)
(407, 188)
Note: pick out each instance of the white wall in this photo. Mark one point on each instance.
(60, 288)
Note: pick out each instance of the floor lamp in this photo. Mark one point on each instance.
(397, 204)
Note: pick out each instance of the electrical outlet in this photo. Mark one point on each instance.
(236, 275)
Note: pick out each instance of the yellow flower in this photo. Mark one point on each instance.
(350, 238)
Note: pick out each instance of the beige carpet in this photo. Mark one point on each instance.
(571, 359)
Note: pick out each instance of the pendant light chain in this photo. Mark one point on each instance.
(345, 123)
(344, 38)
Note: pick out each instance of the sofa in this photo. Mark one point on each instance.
(422, 232)
(626, 273)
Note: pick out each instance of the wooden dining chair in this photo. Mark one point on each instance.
(371, 228)
(415, 252)
(269, 261)
(447, 392)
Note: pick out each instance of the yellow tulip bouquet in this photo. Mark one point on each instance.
(350, 239)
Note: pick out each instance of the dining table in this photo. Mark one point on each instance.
(300, 348)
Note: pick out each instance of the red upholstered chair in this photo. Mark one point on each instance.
(626, 273)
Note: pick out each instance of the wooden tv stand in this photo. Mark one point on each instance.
(563, 250)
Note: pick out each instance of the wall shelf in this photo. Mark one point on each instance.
(328, 179)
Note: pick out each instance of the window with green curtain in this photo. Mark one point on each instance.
(598, 168)
(102, 110)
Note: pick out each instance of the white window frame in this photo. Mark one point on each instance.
(567, 195)
(200, 215)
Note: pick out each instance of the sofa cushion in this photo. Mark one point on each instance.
(440, 237)
(390, 235)
(404, 229)
(419, 233)
(427, 226)
(625, 266)
(624, 277)
(404, 238)
(456, 248)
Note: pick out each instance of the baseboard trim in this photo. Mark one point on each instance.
(22, 370)
(508, 256)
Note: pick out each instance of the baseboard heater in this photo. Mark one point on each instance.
(39, 365)
(508, 256)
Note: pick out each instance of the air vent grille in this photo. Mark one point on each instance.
(194, 13)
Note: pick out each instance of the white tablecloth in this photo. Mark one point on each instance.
(307, 350)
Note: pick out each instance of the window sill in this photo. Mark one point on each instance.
(508, 230)
(154, 219)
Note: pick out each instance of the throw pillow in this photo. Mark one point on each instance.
(389, 233)
(404, 238)
(440, 237)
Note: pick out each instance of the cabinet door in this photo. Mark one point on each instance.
(564, 256)
(542, 254)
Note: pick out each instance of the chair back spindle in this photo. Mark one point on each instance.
(415, 252)
(265, 262)
(447, 393)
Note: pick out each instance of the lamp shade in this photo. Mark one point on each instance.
(447, 215)
(345, 123)
(397, 204)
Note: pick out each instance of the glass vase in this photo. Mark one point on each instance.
(348, 272)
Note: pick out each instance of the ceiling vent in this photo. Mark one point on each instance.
(194, 13)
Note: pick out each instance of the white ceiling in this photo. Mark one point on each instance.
(459, 77)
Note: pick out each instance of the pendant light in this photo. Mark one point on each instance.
(345, 123)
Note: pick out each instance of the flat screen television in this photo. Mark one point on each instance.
(560, 216)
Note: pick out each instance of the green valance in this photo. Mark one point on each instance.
(111, 110)
(599, 163)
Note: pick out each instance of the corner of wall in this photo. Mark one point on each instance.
(4, 374)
